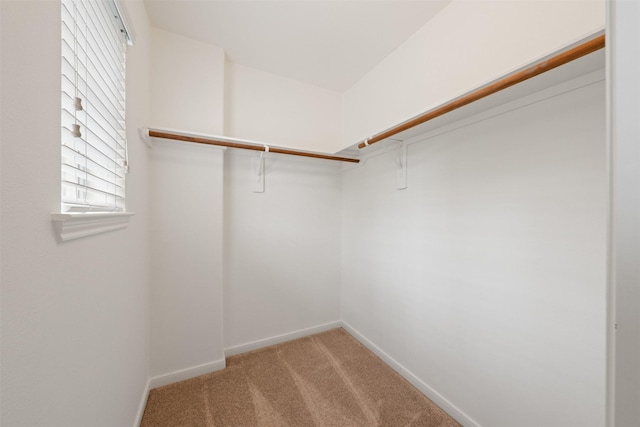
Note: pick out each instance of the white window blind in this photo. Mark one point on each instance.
(94, 146)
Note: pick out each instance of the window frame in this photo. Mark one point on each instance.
(80, 219)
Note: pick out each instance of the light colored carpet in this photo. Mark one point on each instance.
(328, 379)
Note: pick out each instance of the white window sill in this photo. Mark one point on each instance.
(73, 225)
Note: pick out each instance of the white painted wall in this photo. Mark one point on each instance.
(75, 329)
(282, 247)
(486, 277)
(265, 107)
(624, 39)
(187, 81)
(466, 45)
(187, 237)
(187, 84)
(186, 260)
(195, 89)
(75, 316)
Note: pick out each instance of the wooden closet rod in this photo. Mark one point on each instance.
(243, 146)
(508, 81)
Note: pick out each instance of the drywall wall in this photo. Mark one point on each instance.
(75, 329)
(282, 248)
(466, 45)
(187, 84)
(485, 278)
(186, 243)
(193, 88)
(187, 92)
(265, 107)
(624, 39)
(186, 260)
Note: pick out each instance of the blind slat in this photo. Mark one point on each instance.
(77, 161)
(94, 102)
(104, 25)
(75, 195)
(90, 147)
(95, 183)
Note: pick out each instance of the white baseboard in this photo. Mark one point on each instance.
(436, 397)
(187, 373)
(195, 371)
(143, 404)
(278, 339)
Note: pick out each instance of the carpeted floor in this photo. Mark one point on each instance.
(328, 379)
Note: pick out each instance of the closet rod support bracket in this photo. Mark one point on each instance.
(400, 158)
(257, 181)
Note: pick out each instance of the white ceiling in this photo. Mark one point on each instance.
(327, 43)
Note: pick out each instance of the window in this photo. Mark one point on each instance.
(94, 146)
(93, 137)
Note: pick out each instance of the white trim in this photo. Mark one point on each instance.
(187, 373)
(126, 21)
(272, 157)
(388, 145)
(73, 225)
(209, 136)
(150, 141)
(432, 394)
(143, 404)
(546, 85)
(278, 339)
(610, 364)
(143, 133)
(577, 83)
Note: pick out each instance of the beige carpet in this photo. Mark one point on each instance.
(328, 379)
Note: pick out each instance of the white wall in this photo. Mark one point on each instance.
(186, 260)
(282, 247)
(187, 84)
(75, 330)
(187, 188)
(193, 88)
(624, 37)
(466, 45)
(265, 107)
(485, 278)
